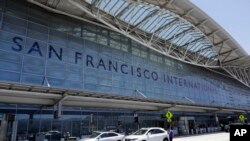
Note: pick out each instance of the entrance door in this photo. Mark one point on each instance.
(185, 124)
(191, 124)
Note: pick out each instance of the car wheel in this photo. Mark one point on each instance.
(165, 139)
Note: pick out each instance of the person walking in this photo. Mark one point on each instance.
(171, 134)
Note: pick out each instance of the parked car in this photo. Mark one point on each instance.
(149, 134)
(104, 136)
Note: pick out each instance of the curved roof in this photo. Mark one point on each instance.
(175, 28)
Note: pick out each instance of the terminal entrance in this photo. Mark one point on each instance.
(33, 123)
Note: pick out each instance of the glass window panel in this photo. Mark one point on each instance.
(115, 35)
(90, 71)
(135, 51)
(56, 82)
(144, 54)
(71, 84)
(104, 74)
(32, 79)
(74, 73)
(115, 44)
(104, 88)
(106, 82)
(14, 29)
(6, 36)
(16, 8)
(56, 69)
(14, 25)
(102, 40)
(91, 79)
(38, 16)
(58, 23)
(89, 33)
(124, 47)
(75, 43)
(159, 59)
(37, 35)
(102, 31)
(33, 65)
(13, 66)
(91, 47)
(37, 31)
(2, 5)
(58, 38)
(10, 47)
(8, 56)
(9, 76)
(118, 83)
(153, 57)
(91, 87)
(76, 30)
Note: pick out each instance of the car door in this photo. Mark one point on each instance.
(108, 137)
(160, 134)
(104, 137)
(155, 135)
(114, 137)
(151, 135)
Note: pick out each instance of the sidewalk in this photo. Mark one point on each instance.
(182, 136)
(220, 136)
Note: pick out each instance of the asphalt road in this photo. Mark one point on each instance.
(207, 137)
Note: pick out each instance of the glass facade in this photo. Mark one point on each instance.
(41, 48)
(80, 122)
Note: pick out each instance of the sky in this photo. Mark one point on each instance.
(232, 15)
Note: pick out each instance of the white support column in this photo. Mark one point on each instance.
(58, 106)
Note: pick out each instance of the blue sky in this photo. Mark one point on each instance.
(232, 15)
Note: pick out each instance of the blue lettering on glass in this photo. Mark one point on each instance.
(51, 49)
(132, 70)
(154, 75)
(89, 60)
(138, 72)
(78, 55)
(122, 68)
(101, 64)
(111, 65)
(35, 47)
(114, 66)
(146, 74)
(17, 41)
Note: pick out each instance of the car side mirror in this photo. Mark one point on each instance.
(149, 133)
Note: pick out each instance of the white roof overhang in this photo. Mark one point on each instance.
(49, 96)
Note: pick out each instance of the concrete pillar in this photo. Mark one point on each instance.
(3, 129)
(14, 131)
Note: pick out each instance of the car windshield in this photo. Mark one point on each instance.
(94, 135)
(140, 132)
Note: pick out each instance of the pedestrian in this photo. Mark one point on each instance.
(171, 134)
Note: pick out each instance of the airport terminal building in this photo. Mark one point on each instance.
(83, 65)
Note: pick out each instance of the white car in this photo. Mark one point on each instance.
(149, 134)
(104, 136)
